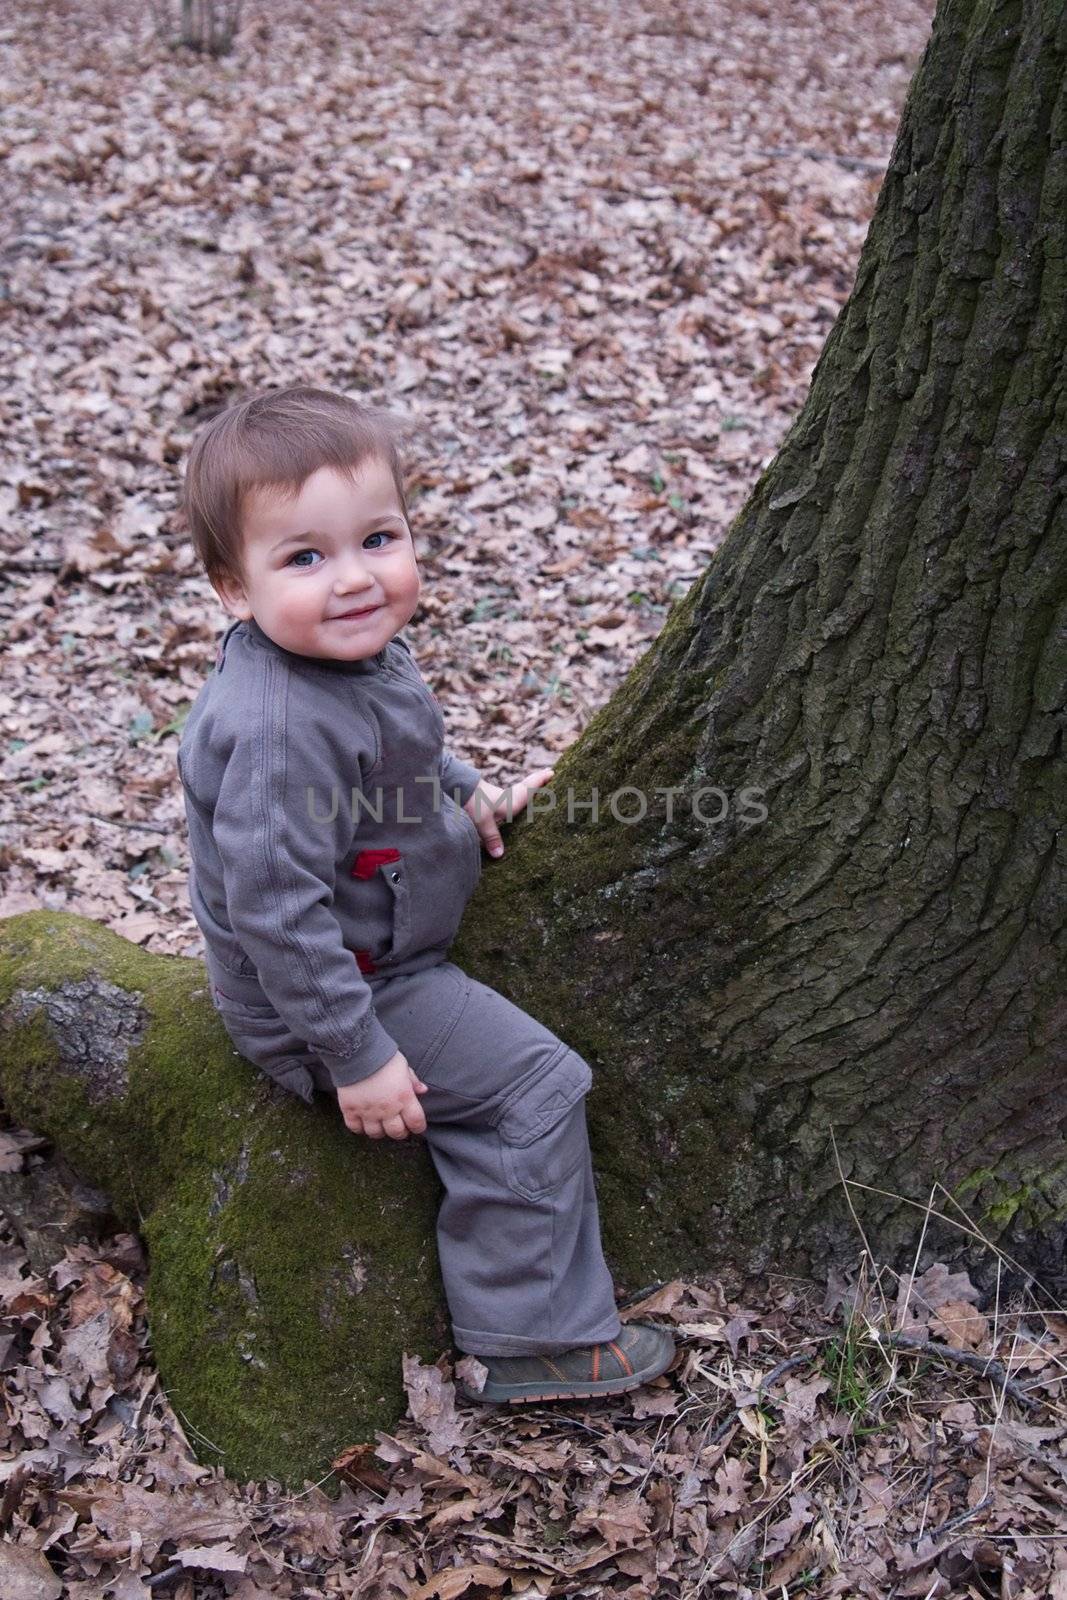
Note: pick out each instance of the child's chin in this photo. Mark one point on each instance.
(357, 646)
(334, 641)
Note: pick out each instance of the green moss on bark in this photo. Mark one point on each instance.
(290, 1264)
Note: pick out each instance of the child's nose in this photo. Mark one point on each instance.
(352, 573)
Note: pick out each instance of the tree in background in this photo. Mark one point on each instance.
(871, 983)
(207, 26)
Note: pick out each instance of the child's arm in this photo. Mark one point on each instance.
(281, 826)
(458, 778)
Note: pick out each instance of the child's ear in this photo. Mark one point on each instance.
(231, 592)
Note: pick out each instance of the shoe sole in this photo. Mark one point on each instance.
(529, 1394)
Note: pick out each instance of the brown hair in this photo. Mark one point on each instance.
(276, 440)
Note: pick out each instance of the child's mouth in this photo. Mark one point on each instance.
(352, 616)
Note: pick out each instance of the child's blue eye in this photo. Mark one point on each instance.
(295, 559)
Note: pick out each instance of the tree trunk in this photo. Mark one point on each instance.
(869, 984)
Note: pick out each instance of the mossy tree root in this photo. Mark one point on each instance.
(290, 1264)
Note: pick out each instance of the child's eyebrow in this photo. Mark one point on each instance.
(315, 533)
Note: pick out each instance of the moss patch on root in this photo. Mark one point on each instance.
(290, 1265)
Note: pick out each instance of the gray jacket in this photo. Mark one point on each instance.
(325, 842)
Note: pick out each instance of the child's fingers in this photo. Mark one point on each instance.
(417, 1083)
(492, 841)
(520, 793)
(414, 1119)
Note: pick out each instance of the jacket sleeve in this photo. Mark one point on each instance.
(282, 823)
(458, 779)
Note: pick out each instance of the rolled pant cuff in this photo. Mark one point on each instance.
(474, 1343)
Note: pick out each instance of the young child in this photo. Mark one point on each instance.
(330, 870)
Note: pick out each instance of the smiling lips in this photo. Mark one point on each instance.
(345, 616)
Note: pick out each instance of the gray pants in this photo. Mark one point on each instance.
(518, 1235)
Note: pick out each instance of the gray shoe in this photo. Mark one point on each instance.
(639, 1353)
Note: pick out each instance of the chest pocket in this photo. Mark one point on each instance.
(419, 896)
(388, 868)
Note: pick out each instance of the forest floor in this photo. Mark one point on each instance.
(593, 254)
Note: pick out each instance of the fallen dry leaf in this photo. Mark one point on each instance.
(432, 1404)
(26, 1575)
(660, 1303)
(457, 1580)
(960, 1325)
(211, 1558)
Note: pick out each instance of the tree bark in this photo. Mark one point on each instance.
(869, 984)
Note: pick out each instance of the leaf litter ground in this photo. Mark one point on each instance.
(593, 254)
(882, 1436)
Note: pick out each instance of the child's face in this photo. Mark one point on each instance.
(338, 548)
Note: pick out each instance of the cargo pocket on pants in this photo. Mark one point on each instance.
(543, 1137)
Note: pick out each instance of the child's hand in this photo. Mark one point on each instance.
(488, 804)
(385, 1102)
